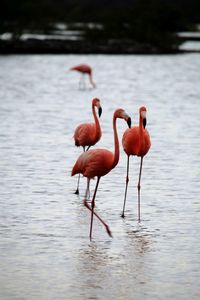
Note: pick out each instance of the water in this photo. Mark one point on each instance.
(45, 251)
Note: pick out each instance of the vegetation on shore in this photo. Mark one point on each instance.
(151, 24)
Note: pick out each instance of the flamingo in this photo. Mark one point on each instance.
(88, 134)
(136, 141)
(84, 69)
(99, 162)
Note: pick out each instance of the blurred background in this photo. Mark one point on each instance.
(98, 26)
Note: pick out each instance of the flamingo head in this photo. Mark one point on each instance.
(96, 102)
(120, 113)
(143, 112)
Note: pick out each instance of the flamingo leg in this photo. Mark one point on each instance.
(99, 218)
(87, 192)
(77, 189)
(81, 82)
(88, 195)
(79, 176)
(140, 173)
(84, 86)
(93, 204)
(79, 85)
(94, 213)
(127, 180)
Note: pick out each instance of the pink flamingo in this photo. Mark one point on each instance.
(84, 69)
(88, 134)
(136, 141)
(99, 162)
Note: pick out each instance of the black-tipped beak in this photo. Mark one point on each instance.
(144, 122)
(100, 111)
(129, 122)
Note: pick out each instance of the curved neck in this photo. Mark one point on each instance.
(116, 144)
(96, 120)
(91, 81)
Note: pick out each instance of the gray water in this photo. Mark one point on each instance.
(45, 251)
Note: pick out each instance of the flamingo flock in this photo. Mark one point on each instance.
(99, 162)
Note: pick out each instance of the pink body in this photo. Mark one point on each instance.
(96, 162)
(88, 134)
(136, 141)
(82, 68)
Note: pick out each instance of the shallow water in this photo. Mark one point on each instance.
(45, 251)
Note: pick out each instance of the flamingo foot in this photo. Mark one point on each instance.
(108, 231)
(106, 226)
(123, 215)
(77, 192)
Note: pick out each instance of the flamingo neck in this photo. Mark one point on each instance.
(116, 144)
(141, 134)
(97, 125)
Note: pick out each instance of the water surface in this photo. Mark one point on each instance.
(45, 252)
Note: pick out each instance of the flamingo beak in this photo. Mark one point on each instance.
(144, 121)
(129, 122)
(100, 111)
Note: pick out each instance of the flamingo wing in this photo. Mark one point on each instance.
(82, 68)
(96, 162)
(85, 134)
(130, 140)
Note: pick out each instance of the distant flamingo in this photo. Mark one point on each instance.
(99, 162)
(136, 141)
(84, 69)
(88, 134)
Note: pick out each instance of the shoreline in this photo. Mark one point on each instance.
(57, 46)
(49, 46)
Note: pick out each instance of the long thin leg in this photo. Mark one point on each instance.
(84, 82)
(139, 189)
(77, 189)
(93, 204)
(127, 180)
(79, 84)
(99, 218)
(87, 189)
(78, 182)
